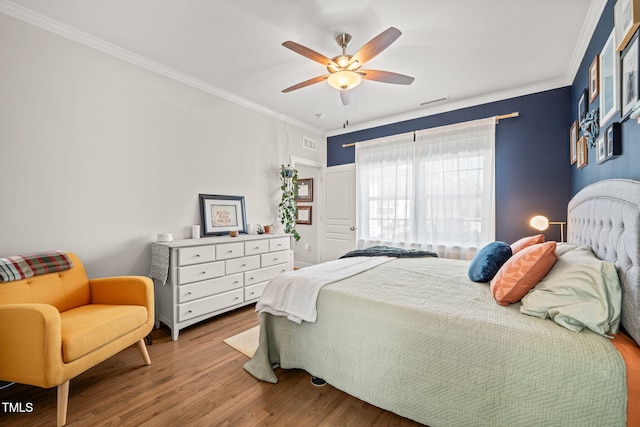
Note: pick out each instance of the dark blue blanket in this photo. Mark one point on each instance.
(389, 251)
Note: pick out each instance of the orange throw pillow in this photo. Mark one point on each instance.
(525, 242)
(522, 272)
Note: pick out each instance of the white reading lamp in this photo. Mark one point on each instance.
(541, 223)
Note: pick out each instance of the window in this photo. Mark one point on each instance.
(435, 192)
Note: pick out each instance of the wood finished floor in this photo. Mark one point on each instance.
(195, 381)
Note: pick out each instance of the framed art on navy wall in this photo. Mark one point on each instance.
(594, 79)
(630, 85)
(627, 20)
(582, 105)
(609, 104)
(583, 153)
(573, 142)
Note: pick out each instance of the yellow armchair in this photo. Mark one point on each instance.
(55, 326)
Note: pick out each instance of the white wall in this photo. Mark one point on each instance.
(306, 250)
(99, 155)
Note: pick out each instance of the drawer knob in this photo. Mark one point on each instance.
(236, 298)
(275, 259)
(257, 247)
(188, 293)
(251, 293)
(188, 311)
(229, 252)
(197, 255)
(243, 265)
(203, 272)
(235, 282)
(250, 278)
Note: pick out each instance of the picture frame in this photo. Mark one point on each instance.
(609, 91)
(573, 141)
(303, 215)
(304, 192)
(582, 105)
(594, 79)
(626, 17)
(613, 140)
(630, 84)
(601, 149)
(221, 214)
(583, 153)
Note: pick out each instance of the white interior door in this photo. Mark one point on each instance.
(340, 211)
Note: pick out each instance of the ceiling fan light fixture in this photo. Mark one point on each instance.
(353, 66)
(344, 80)
(342, 61)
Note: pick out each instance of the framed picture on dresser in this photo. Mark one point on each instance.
(221, 214)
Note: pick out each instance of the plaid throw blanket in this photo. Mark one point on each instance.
(24, 266)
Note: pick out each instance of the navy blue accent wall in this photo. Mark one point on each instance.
(628, 164)
(533, 174)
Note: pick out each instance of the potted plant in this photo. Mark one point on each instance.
(288, 206)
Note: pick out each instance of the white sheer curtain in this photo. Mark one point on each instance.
(432, 193)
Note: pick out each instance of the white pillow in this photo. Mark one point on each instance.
(581, 291)
(563, 248)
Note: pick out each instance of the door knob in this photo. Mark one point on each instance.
(352, 228)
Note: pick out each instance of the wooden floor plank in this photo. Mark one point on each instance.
(195, 381)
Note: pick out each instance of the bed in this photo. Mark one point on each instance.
(417, 337)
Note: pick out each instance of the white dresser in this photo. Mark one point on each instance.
(210, 276)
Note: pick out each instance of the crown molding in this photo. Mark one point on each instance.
(593, 15)
(455, 105)
(586, 33)
(53, 26)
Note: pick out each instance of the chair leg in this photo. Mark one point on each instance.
(63, 400)
(143, 351)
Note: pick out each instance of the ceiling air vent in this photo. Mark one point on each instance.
(309, 144)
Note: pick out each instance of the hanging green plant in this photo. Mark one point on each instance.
(287, 209)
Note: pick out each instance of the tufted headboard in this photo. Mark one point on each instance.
(606, 217)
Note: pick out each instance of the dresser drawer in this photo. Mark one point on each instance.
(254, 292)
(273, 258)
(256, 247)
(263, 274)
(194, 273)
(209, 287)
(230, 250)
(188, 256)
(243, 264)
(209, 304)
(279, 244)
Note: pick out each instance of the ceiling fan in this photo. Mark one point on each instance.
(344, 70)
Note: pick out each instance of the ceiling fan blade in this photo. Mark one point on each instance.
(376, 45)
(309, 53)
(386, 77)
(307, 83)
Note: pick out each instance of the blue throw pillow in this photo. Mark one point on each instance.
(488, 261)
